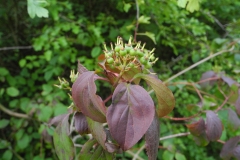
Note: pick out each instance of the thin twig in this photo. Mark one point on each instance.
(15, 48)
(225, 101)
(181, 118)
(78, 145)
(163, 138)
(107, 99)
(132, 154)
(220, 141)
(11, 113)
(199, 94)
(175, 135)
(198, 63)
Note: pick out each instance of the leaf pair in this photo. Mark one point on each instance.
(205, 132)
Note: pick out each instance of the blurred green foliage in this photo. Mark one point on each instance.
(74, 30)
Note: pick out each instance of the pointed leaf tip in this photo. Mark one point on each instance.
(213, 126)
(130, 114)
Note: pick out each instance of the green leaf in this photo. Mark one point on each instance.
(237, 57)
(95, 51)
(22, 62)
(166, 101)
(3, 123)
(12, 91)
(144, 20)
(48, 55)
(3, 144)
(149, 35)
(24, 141)
(97, 131)
(91, 150)
(3, 71)
(180, 156)
(126, 7)
(167, 155)
(193, 5)
(7, 155)
(182, 3)
(35, 8)
(62, 141)
(45, 113)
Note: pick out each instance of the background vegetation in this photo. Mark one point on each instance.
(35, 51)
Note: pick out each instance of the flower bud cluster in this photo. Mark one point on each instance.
(129, 55)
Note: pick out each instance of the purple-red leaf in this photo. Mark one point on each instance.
(208, 75)
(237, 103)
(228, 80)
(236, 152)
(166, 101)
(85, 98)
(230, 148)
(213, 126)
(62, 142)
(197, 128)
(56, 120)
(130, 114)
(81, 68)
(81, 124)
(233, 119)
(152, 139)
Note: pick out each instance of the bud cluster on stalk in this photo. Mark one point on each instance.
(129, 55)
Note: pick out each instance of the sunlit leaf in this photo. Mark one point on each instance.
(152, 139)
(182, 3)
(35, 8)
(166, 101)
(85, 98)
(81, 124)
(130, 114)
(126, 7)
(229, 147)
(197, 128)
(193, 5)
(213, 126)
(143, 19)
(63, 144)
